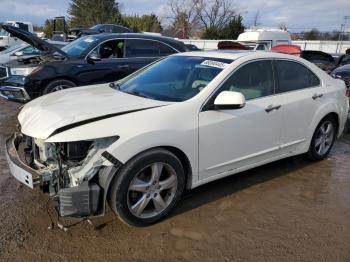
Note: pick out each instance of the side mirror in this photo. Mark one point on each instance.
(19, 53)
(229, 100)
(92, 58)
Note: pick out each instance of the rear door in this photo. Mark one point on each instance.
(300, 93)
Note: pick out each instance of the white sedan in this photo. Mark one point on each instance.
(177, 124)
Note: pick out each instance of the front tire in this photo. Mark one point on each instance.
(58, 85)
(147, 188)
(323, 139)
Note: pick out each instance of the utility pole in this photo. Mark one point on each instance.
(341, 34)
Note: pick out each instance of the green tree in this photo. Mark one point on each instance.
(230, 31)
(48, 28)
(145, 23)
(87, 13)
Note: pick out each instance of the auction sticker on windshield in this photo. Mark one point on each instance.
(213, 63)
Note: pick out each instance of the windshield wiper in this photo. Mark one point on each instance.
(136, 93)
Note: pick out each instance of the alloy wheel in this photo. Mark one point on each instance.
(59, 88)
(152, 190)
(324, 138)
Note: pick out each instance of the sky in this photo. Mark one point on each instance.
(297, 15)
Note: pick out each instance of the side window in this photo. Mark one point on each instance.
(165, 50)
(108, 29)
(110, 49)
(314, 80)
(294, 76)
(22, 26)
(261, 47)
(253, 80)
(142, 48)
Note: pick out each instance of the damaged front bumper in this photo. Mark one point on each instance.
(22, 172)
(82, 200)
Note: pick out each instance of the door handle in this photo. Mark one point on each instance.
(124, 66)
(272, 107)
(316, 96)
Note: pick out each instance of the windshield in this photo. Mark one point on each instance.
(79, 46)
(174, 79)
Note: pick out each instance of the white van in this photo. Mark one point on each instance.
(6, 40)
(264, 38)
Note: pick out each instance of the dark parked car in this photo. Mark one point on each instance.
(343, 72)
(88, 60)
(323, 60)
(344, 60)
(98, 29)
(192, 47)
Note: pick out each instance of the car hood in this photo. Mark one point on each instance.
(54, 113)
(33, 40)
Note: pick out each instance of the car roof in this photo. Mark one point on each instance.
(235, 54)
(133, 35)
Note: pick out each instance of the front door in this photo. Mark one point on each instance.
(233, 139)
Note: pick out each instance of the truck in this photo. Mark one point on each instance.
(7, 40)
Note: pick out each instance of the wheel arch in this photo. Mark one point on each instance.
(107, 174)
(49, 81)
(336, 118)
(185, 163)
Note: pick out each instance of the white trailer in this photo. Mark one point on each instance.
(267, 37)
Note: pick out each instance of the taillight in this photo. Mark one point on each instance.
(347, 93)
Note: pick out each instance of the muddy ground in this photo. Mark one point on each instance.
(292, 210)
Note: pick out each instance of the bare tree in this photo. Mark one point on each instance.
(211, 15)
(216, 13)
(256, 19)
(184, 14)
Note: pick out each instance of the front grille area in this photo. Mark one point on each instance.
(3, 72)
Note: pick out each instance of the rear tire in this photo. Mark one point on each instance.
(147, 187)
(58, 85)
(323, 139)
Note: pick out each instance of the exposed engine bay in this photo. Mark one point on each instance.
(35, 60)
(68, 171)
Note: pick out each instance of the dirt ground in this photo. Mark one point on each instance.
(292, 210)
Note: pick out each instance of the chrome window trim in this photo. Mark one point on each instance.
(272, 59)
(234, 71)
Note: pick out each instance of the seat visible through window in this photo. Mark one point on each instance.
(253, 80)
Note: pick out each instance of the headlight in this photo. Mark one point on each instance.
(22, 71)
